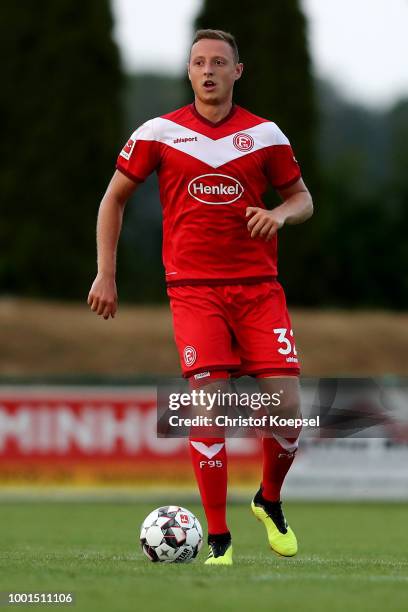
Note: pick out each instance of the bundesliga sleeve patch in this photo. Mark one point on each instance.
(128, 148)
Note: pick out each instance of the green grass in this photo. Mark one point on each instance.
(353, 557)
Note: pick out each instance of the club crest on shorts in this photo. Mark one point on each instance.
(190, 355)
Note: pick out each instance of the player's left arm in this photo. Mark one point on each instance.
(297, 207)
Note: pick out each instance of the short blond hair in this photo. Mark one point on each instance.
(217, 35)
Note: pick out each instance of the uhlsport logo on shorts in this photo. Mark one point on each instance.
(215, 189)
(243, 142)
(190, 355)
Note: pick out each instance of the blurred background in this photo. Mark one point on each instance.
(77, 394)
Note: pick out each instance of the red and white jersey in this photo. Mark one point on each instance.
(208, 174)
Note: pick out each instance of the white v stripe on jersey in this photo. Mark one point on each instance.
(208, 451)
(214, 153)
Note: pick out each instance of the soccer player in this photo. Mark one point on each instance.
(214, 161)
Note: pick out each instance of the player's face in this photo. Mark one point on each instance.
(213, 71)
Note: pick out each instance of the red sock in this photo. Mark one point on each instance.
(277, 459)
(209, 459)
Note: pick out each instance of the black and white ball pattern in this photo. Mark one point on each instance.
(171, 534)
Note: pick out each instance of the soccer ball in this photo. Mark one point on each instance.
(171, 533)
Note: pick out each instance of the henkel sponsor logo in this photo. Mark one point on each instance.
(215, 189)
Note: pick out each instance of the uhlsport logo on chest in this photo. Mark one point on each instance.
(215, 189)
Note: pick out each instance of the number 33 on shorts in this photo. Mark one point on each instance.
(288, 344)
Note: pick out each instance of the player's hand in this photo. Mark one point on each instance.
(103, 297)
(263, 223)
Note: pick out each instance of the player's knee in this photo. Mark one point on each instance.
(288, 391)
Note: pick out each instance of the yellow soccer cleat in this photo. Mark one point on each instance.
(281, 538)
(220, 550)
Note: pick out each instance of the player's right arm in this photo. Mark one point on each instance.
(103, 297)
(139, 157)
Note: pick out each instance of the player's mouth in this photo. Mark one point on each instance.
(209, 85)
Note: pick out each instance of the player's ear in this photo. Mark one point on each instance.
(188, 70)
(239, 68)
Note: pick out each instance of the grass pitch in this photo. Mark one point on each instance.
(352, 557)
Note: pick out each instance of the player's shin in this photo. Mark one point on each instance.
(278, 456)
(209, 459)
(280, 442)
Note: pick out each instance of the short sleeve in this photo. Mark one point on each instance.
(141, 154)
(281, 165)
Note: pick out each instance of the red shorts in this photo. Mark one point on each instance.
(245, 329)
